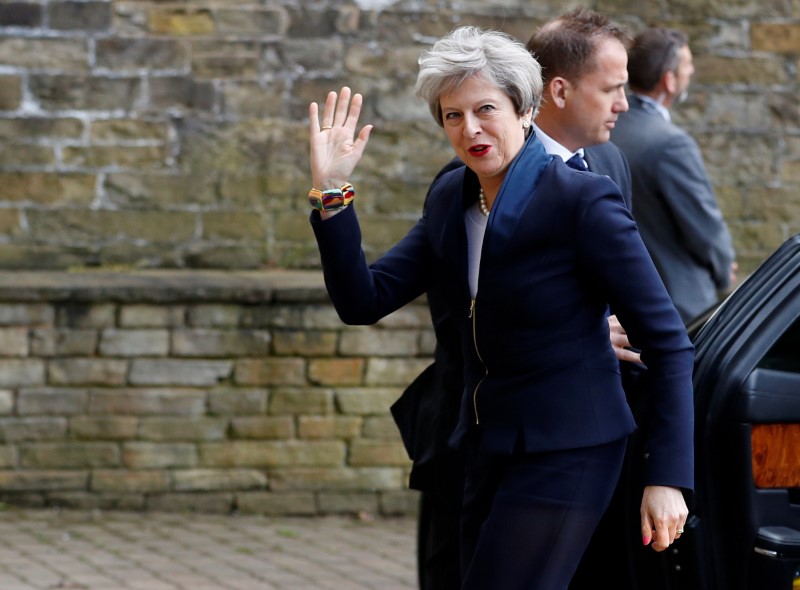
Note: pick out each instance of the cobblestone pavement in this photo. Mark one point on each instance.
(44, 550)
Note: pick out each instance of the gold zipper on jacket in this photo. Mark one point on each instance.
(480, 358)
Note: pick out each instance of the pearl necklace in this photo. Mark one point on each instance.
(482, 203)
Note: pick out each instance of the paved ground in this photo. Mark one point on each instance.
(44, 550)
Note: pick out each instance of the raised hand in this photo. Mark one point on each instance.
(335, 149)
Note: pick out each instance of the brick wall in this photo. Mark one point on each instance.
(153, 133)
(212, 391)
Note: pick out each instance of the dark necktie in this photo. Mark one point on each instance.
(577, 162)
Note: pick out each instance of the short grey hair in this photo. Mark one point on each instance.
(496, 57)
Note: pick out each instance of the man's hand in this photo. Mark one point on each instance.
(620, 342)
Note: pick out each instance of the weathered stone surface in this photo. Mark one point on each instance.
(272, 454)
(179, 372)
(300, 400)
(119, 481)
(148, 455)
(182, 428)
(277, 503)
(66, 455)
(147, 401)
(262, 427)
(206, 480)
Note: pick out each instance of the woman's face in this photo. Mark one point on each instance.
(484, 129)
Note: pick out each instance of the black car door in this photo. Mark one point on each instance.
(744, 532)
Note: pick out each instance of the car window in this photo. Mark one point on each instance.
(785, 353)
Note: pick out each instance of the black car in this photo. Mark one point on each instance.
(743, 532)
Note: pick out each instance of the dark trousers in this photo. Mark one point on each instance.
(439, 524)
(527, 518)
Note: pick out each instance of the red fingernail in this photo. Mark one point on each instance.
(645, 540)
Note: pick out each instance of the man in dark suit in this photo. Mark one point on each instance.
(583, 95)
(674, 206)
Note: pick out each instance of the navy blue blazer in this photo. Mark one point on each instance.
(540, 373)
(427, 412)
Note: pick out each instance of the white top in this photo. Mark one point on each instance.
(475, 222)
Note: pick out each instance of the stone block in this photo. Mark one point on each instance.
(68, 455)
(236, 67)
(347, 503)
(180, 22)
(70, 55)
(142, 157)
(6, 402)
(48, 342)
(213, 315)
(262, 427)
(302, 400)
(775, 37)
(65, 188)
(14, 155)
(746, 70)
(304, 343)
(147, 401)
(14, 342)
(134, 343)
(401, 372)
(59, 92)
(103, 427)
(26, 314)
(21, 372)
(335, 478)
(8, 456)
(237, 402)
(36, 428)
(119, 481)
(43, 480)
(399, 503)
(209, 480)
(232, 225)
(84, 316)
(371, 342)
(10, 91)
(148, 455)
(364, 401)
(380, 428)
(87, 371)
(181, 92)
(206, 503)
(172, 428)
(52, 401)
(372, 453)
(41, 128)
(277, 503)
(20, 14)
(305, 317)
(220, 343)
(252, 22)
(338, 427)
(135, 54)
(249, 99)
(179, 372)
(80, 16)
(151, 316)
(336, 371)
(270, 371)
(147, 229)
(87, 501)
(265, 454)
(10, 223)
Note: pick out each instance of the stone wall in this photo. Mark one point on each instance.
(170, 133)
(203, 390)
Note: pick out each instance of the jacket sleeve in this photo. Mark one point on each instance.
(617, 262)
(363, 294)
(687, 193)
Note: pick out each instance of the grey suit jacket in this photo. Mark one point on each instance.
(675, 208)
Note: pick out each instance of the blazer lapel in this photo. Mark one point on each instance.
(514, 196)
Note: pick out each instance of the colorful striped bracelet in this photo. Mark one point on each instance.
(332, 198)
